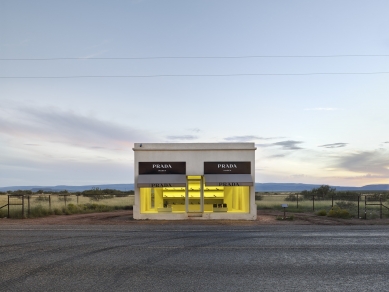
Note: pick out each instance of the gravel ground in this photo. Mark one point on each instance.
(125, 218)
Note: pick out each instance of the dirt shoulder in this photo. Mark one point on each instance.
(125, 218)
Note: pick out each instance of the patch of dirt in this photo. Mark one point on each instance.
(125, 218)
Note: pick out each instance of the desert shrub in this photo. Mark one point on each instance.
(258, 197)
(58, 211)
(3, 213)
(376, 197)
(346, 196)
(322, 213)
(39, 211)
(62, 198)
(293, 198)
(42, 199)
(346, 205)
(99, 207)
(72, 209)
(119, 195)
(337, 212)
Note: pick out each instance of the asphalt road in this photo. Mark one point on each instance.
(194, 258)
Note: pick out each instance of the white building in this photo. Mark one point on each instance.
(175, 181)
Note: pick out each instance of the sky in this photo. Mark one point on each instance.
(306, 81)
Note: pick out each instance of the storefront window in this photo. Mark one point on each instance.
(227, 199)
(234, 199)
(167, 199)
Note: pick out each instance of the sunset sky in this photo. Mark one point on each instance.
(81, 81)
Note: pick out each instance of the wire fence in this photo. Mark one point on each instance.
(357, 205)
(27, 206)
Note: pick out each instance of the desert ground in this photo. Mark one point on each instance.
(124, 217)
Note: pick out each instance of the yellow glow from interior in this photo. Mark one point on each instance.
(172, 199)
(198, 177)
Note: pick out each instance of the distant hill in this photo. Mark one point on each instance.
(290, 187)
(259, 187)
(120, 187)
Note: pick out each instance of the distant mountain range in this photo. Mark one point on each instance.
(259, 187)
(289, 187)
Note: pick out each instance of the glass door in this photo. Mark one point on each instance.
(194, 197)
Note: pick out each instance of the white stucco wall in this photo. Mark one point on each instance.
(194, 154)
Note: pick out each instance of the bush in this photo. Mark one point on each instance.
(322, 213)
(346, 205)
(258, 197)
(71, 209)
(337, 212)
(58, 211)
(62, 198)
(376, 197)
(42, 199)
(39, 211)
(293, 198)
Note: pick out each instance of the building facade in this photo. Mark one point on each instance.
(175, 181)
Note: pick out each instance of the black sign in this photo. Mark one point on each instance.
(162, 167)
(227, 167)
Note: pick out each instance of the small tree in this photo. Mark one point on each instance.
(324, 191)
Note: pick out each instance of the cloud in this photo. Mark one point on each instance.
(182, 137)
(196, 130)
(374, 162)
(66, 127)
(277, 156)
(285, 145)
(334, 145)
(249, 138)
(369, 175)
(386, 142)
(322, 109)
(298, 175)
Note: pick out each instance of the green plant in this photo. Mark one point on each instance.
(57, 211)
(337, 212)
(346, 205)
(293, 198)
(39, 211)
(72, 209)
(258, 197)
(62, 198)
(42, 199)
(322, 213)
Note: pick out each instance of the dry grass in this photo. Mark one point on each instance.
(58, 202)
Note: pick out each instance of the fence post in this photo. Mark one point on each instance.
(29, 206)
(8, 207)
(359, 196)
(313, 203)
(297, 200)
(50, 202)
(380, 207)
(365, 208)
(65, 200)
(332, 204)
(22, 206)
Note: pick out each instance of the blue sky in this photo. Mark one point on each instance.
(284, 88)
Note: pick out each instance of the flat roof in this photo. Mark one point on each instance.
(193, 146)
